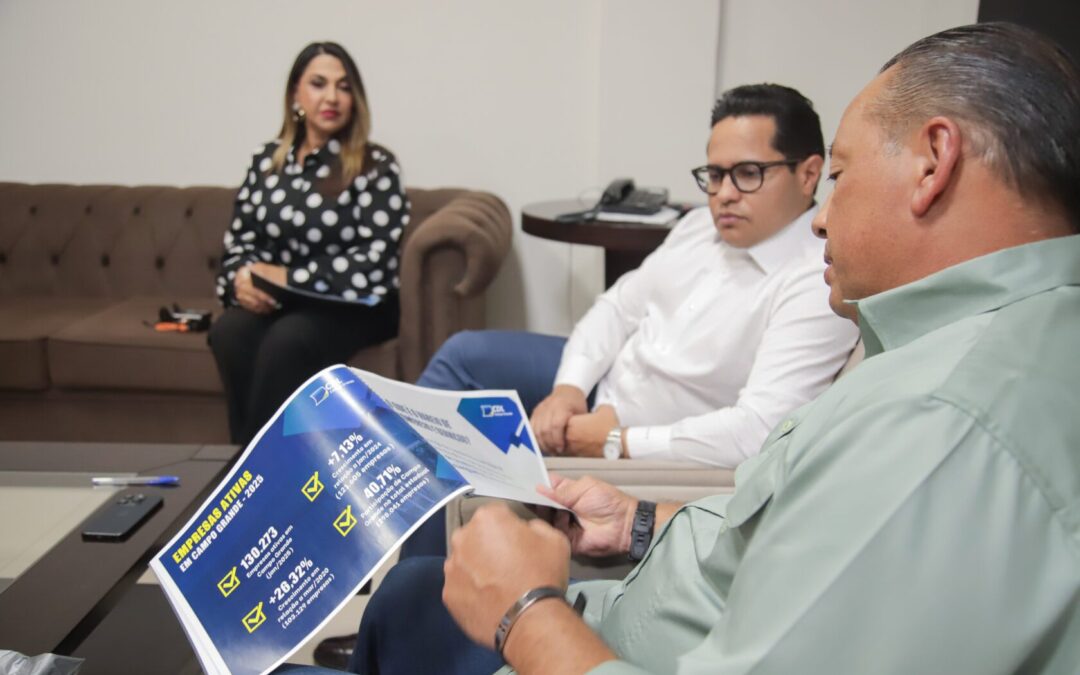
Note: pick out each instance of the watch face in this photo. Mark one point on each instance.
(612, 450)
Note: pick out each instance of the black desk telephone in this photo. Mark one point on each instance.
(620, 196)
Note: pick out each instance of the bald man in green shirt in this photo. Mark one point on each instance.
(921, 516)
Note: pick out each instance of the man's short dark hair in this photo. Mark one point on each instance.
(798, 128)
(1015, 95)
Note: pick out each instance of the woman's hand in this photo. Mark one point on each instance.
(275, 273)
(251, 298)
(604, 513)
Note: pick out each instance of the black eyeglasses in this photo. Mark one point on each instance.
(745, 176)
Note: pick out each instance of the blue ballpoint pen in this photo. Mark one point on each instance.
(136, 480)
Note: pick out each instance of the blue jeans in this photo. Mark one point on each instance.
(487, 359)
(496, 359)
(406, 630)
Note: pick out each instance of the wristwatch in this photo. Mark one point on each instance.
(613, 444)
(641, 532)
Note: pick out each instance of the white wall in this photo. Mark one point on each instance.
(531, 101)
(827, 49)
(657, 66)
(522, 99)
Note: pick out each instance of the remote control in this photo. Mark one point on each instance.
(116, 521)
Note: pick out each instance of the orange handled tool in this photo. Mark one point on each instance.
(171, 327)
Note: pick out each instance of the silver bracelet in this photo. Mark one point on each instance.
(526, 601)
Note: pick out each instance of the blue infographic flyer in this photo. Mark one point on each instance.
(349, 466)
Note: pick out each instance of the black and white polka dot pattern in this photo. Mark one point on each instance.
(344, 244)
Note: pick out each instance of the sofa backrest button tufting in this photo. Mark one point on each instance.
(159, 262)
(105, 260)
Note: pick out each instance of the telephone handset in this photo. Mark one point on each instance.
(618, 190)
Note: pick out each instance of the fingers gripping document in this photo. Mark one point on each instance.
(342, 474)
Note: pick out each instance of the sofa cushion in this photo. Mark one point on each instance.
(25, 323)
(115, 349)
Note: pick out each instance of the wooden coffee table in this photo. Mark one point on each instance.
(79, 598)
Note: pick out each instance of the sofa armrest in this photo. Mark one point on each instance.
(447, 262)
(645, 479)
(650, 479)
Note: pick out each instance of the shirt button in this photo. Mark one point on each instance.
(787, 426)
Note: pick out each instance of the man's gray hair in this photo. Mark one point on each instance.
(1015, 94)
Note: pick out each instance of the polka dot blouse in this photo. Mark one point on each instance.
(341, 243)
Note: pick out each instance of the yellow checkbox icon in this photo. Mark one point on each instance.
(254, 618)
(345, 522)
(230, 583)
(312, 487)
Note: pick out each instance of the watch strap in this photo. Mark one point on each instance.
(614, 438)
(530, 598)
(641, 532)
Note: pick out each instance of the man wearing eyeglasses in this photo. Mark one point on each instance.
(722, 331)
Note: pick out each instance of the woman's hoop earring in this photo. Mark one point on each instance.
(297, 113)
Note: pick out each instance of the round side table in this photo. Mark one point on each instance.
(625, 244)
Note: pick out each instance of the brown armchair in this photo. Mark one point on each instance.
(83, 267)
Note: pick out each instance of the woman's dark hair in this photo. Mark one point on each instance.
(354, 137)
(1014, 93)
(798, 128)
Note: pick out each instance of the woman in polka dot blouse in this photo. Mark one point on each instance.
(321, 210)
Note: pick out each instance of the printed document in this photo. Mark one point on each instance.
(343, 473)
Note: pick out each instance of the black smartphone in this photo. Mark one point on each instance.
(120, 517)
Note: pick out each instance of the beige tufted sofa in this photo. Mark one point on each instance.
(82, 268)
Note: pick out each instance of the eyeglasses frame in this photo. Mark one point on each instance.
(730, 171)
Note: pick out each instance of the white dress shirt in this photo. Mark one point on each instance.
(704, 348)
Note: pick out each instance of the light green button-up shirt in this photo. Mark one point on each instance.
(921, 516)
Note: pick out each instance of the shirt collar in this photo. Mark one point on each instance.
(322, 154)
(895, 317)
(778, 250)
